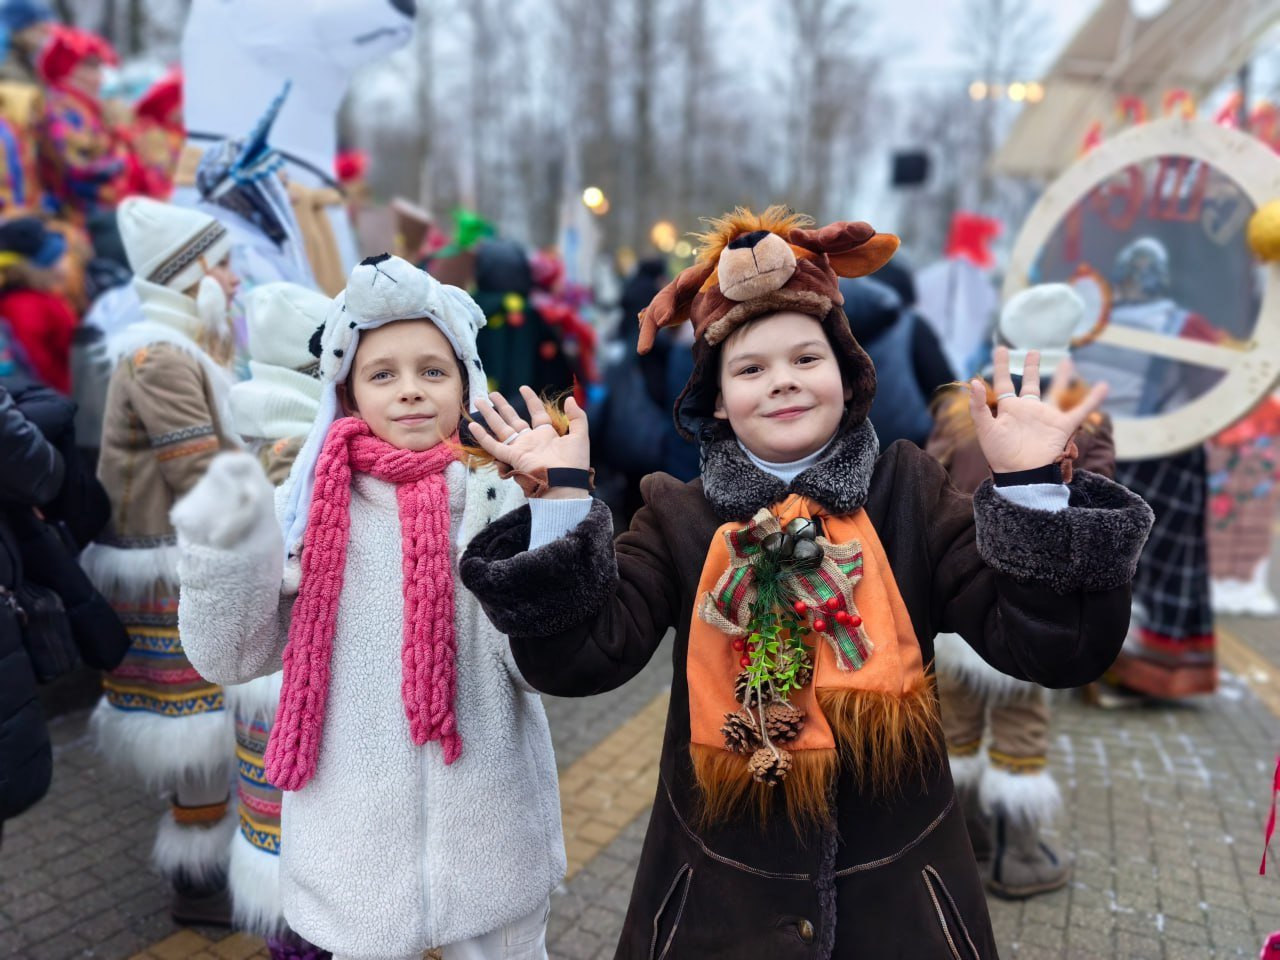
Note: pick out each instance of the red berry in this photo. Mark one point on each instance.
(739, 645)
(751, 648)
(855, 621)
(843, 618)
(745, 661)
(832, 605)
(820, 625)
(800, 607)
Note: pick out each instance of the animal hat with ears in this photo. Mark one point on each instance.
(751, 265)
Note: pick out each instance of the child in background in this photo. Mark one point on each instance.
(420, 799)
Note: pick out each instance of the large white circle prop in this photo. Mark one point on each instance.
(1253, 367)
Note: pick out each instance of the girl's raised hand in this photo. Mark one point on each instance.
(1026, 433)
(527, 446)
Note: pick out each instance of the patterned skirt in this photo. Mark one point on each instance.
(1170, 649)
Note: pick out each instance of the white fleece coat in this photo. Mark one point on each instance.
(387, 851)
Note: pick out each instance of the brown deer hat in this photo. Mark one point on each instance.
(752, 265)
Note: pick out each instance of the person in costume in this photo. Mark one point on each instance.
(41, 321)
(1171, 648)
(1008, 794)
(1244, 492)
(420, 802)
(24, 26)
(156, 138)
(166, 418)
(805, 806)
(272, 411)
(83, 160)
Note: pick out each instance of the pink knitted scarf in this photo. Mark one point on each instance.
(427, 655)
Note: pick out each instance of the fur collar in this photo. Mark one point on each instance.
(737, 488)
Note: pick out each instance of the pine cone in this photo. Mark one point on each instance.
(741, 732)
(783, 722)
(804, 674)
(742, 691)
(767, 768)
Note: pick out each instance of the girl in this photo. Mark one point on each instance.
(420, 807)
(804, 807)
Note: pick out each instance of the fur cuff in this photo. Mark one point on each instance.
(1092, 545)
(1026, 798)
(540, 592)
(198, 855)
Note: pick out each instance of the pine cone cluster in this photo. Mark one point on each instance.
(746, 695)
(741, 732)
(769, 768)
(783, 722)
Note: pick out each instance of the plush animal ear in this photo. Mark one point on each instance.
(670, 307)
(853, 248)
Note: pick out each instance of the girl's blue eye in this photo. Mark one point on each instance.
(380, 375)
(751, 369)
(435, 372)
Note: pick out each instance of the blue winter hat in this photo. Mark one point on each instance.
(29, 239)
(17, 15)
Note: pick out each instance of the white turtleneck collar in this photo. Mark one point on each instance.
(786, 472)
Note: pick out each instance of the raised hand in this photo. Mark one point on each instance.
(527, 446)
(1026, 433)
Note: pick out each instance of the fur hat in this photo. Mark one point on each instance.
(284, 321)
(165, 242)
(1044, 318)
(751, 265)
(380, 290)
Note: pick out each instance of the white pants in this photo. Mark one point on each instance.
(524, 939)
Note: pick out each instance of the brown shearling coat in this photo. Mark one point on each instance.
(1041, 596)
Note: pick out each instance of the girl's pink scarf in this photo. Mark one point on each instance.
(427, 656)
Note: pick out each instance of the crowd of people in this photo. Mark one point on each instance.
(327, 551)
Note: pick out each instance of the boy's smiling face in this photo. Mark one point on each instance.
(405, 384)
(780, 387)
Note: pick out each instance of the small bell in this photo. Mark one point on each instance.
(806, 554)
(804, 528)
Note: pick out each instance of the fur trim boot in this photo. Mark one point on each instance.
(194, 855)
(1021, 805)
(1023, 864)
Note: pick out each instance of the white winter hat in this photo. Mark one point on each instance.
(1044, 318)
(164, 242)
(380, 290)
(284, 321)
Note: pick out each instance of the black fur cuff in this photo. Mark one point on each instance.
(1094, 544)
(536, 593)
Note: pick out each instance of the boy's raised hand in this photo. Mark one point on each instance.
(1026, 433)
(526, 446)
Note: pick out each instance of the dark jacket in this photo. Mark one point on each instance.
(1041, 596)
(31, 473)
(909, 361)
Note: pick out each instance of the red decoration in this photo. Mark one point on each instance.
(745, 662)
(855, 621)
(832, 604)
(843, 618)
(350, 166)
(820, 625)
(970, 238)
(800, 607)
(739, 645)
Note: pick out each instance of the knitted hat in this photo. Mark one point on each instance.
(380, 290)
(1044, 318)
(752, 265)
(284, 321)
(65, 49)
(165, 242)
(162, 101)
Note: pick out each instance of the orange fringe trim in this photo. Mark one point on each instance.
(729, 790)
(883, 738)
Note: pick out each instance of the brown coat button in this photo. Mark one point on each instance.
(805, 929)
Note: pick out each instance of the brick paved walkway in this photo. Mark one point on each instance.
(1164, 814)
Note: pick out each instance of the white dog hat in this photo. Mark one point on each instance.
(1045, 318)
(380, 290)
